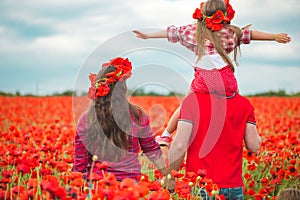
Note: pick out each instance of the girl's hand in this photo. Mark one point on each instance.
(282, 38)
(141, 35)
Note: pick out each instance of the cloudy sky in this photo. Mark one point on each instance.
(50, 46)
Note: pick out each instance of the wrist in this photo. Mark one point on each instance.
(276, 37)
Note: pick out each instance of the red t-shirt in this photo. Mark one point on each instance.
(217, 137)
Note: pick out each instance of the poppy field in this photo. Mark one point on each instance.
(36, 151)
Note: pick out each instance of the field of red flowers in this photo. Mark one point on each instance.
(37, 152)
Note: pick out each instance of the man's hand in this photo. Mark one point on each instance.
(169, 183)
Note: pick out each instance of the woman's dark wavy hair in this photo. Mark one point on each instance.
(110, 121)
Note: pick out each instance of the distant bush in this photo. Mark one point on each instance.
(141, 92)
(279, 93)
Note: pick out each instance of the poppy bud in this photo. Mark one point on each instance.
(95, 158)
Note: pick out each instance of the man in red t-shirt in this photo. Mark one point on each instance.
(211, 130)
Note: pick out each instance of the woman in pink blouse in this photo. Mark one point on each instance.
(113, 131)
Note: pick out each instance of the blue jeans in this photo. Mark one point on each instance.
(229, 193)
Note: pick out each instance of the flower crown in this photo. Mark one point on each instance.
(215, 22)
(101, 87)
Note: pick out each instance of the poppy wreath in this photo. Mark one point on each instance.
(216, 21)
(101, 87)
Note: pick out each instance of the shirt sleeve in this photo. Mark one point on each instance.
(147, 141)
(81, 154)
(246, 36)
(186, 110)
(251, 117)
(183, 34)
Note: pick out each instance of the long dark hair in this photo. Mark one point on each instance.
(110, 121)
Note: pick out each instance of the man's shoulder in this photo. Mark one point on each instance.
(203, 97)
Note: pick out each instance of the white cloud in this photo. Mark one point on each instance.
(265, 10)
(59, 44)
(77, 27)
(261, 78)
(270, 51)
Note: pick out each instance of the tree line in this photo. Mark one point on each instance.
(142, 92)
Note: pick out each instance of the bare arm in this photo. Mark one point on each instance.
(252, 138)
(178, 148)
(158, 34)
(279, 37)
(161, 165)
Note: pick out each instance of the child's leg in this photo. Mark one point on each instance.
(172, 125)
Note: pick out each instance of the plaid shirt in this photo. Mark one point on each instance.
(186, 36)
(140, 138)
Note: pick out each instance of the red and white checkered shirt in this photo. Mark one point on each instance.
(186, 36)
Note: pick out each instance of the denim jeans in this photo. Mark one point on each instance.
(229, 193)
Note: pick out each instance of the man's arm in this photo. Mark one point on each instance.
(252, 138)
(178, 149)
(179, 145)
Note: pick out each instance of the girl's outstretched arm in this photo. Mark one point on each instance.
(158, 34)
(279, 37)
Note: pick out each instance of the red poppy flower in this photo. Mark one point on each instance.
(143, 178)
(77, 182)
(93, 78)
(163, 194)
(264, 181)
(176, 174)
(117, 61)
(105, 193)
(230, 12)
(102, 91)
(108, 180)
(20, 192)
(114, 74)
(197, 14)
(142, 189)
(251, 184)
(127, 183)
(292, 171)
(32, 183)
(191, 176)
(154, 186)
(7, 173)
(91, 92)
(23, 168)
(74, 175)
(182, 189)
(215, 21)
(220, 197)
(218, 17)
(123, 70)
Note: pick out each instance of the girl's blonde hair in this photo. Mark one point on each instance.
(203, 33)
